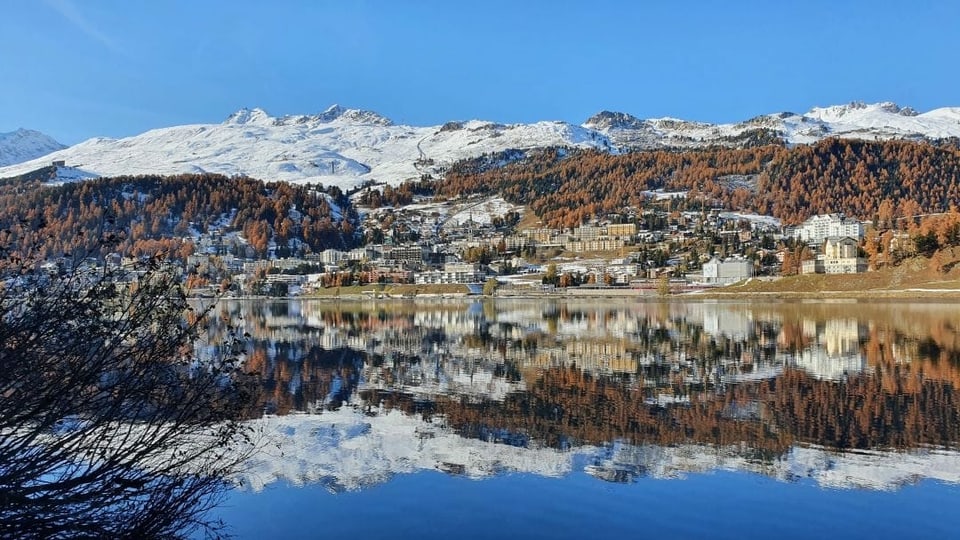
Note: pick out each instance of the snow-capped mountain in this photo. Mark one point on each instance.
(339, 146)
(347, 147)
(25, 144)
(259, 117)
(855, 120)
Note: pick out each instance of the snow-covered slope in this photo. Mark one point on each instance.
(855, 120)
(347, 147)
(339, 146)
(25, 144)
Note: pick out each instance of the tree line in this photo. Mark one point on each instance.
(866, 179)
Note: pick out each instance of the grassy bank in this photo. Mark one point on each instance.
(915, 278)
(390, 291)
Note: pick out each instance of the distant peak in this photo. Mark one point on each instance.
(330, 114)
(24, 145)
(893, 108)
(613, 120)
(249, 116)
(356, 116)
(860, 107)
(23, 133)
(889, 106)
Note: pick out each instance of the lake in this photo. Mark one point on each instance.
(593, 418)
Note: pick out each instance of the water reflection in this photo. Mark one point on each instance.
(847, 394)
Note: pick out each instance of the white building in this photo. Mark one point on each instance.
(332, 257)
(839, 256)
(359, 254)
(588, 232)
(816, 229)
(717, 272)
(452, 273)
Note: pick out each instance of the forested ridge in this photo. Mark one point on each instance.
(869, 180)
(150, 214)
(567, 187)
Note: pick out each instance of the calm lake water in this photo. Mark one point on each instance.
(595, 418)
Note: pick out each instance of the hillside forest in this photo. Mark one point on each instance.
(147, 215)
(879, 181)
(891, 183)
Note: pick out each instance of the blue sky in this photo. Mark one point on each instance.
(82, 68)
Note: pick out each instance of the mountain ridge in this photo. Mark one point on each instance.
(338, 146)
(348, 147)
(883, 120)
(333, 113)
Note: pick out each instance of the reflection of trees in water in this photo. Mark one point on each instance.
(300, 378)
(862, 413)
(568, 406)
(671, 380)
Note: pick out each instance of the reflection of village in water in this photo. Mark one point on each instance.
(624, 389)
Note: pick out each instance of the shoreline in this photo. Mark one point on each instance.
(869, 294)
(914, 293)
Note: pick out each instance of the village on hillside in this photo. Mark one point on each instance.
(490, 242)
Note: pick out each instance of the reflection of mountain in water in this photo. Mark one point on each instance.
(349, 450)
(621, 390)
(865, 470)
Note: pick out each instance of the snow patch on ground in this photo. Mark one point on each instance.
(661, 195)
(482, 212)
(72, 174)
(754, 219)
